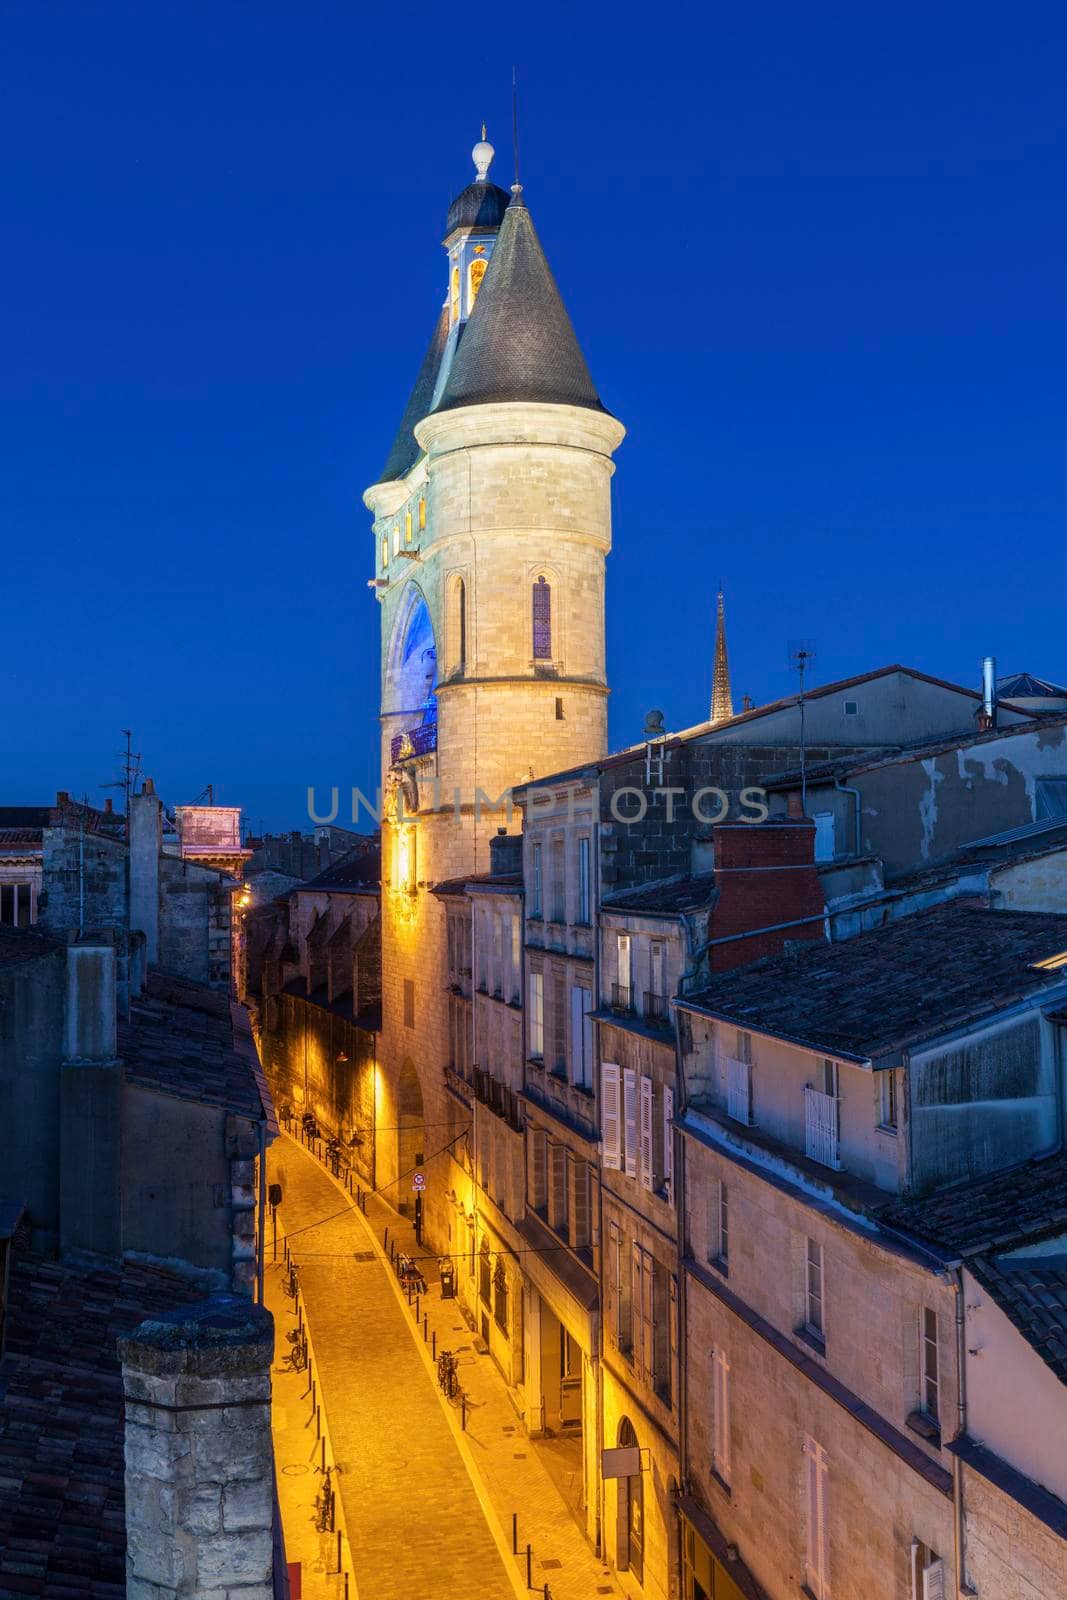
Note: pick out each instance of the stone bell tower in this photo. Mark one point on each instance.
(492, 522)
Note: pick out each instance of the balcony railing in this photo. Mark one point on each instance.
(739, 1090)
(655, 1007)
(420, 741)
(622, 998)
(821, 1127)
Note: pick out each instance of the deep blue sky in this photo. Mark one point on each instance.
(814, 254)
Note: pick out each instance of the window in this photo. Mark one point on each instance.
(422, 515)
(409, 1003)
(455, 295)
(475, 274)
(887, 1100)
(581, 1037)
(927, 1573)
(930, 1382)
(516, 956)
(827, 1076)
(385, 552)
(610, 1120)
(817, 1522)
(557, 1186)
(852, 708)
(720, 1411)
(616, 1288)
(542, 621)
(642, 1301)
(396, 538)
(813, 1289)
(744, 1047)
(1050, 798)
(538, 885)
(558, 1020)
(824, 835)
(407, 527)
(657, 969)
(537, 1015)
(579, 1192)
(15, 905)
(558, 858)
(719, 1224)
(485, 1276)
(625, 970)
(456, 625)
(500, 1297)
(584, 897)
(537, 1167)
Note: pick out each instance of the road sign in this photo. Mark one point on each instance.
(419, 1181)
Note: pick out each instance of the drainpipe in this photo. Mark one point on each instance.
(261, 1221)
(683, 1314)
(959, 1530)
(598, 1369)
(857, 824)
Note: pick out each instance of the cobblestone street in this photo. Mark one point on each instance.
(427, 1508)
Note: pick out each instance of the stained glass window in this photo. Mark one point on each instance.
(542, 621)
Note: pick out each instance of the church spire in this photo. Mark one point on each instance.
(722, 701)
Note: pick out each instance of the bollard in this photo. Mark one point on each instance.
(434, 1339)
(318, 1424)
(463, 1412)
(416, 1305)
(385, 1243)
(324, 1469)
(529, 1566)
(313, 1396)
(346, 1586)
(514, 1533)
(425, 1319)
(338, 1549)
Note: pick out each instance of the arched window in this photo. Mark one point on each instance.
(455, 295)
(630, 1519)
(477, 273)
(396, 538)
(542, 621)
(457, 627)
(407, 527)
(385, 552)
(422, 515)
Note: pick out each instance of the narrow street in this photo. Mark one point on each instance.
(414, 1521)
(427, 1508)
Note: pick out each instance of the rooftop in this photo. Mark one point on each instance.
(357, 870)
(25, 944)
(519, 343)
(186, 1040)
(62, 1497)
(895, 987)
(667, 898)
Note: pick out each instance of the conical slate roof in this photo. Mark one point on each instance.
(405, 450)
(519, 343)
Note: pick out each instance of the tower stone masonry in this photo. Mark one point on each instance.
(492, 522)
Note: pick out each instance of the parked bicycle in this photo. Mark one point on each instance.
(297, 1358)
(324, 1505)
(447, 1375)
(310, 1124)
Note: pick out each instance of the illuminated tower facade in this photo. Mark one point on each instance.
(492, 522)
(722, 700)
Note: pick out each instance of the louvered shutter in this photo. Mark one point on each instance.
(668, 1143)
(614, 1287)
(818, 1529)
(537, 1168)
(648, 1315)
(646, 1134)
(579, 1204)
(578, 1066)
(629, 1105)
(637, 1325)
(672, 1353)
(609, 1114)
(934, 1581)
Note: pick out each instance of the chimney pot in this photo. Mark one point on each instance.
(62, 797)
(148, 787)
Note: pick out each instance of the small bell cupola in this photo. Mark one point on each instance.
(474, 219)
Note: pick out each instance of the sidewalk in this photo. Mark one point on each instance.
(506, 1469)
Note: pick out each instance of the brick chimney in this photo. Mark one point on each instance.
(765, 874)
(199, 1460)
(90, 1103)
(146, 844)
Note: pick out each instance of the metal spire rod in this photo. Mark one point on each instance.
(515, 122)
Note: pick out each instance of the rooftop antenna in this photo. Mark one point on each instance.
(516, 187)
(130, 772)
(801, 656)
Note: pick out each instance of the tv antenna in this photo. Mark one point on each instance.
(130, 772)
(517, 188)
(801, 657)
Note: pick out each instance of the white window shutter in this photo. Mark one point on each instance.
(934, 1581)
(646, 1134)
(629, 1106)
(818, 1524)
(668, 1143)
(609, 1114)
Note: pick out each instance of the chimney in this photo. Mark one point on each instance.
(199, 1459)
(146, 844)
(62, 798)
(109, 806)
(766, 876)
(987, 716)
(90, 1103)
